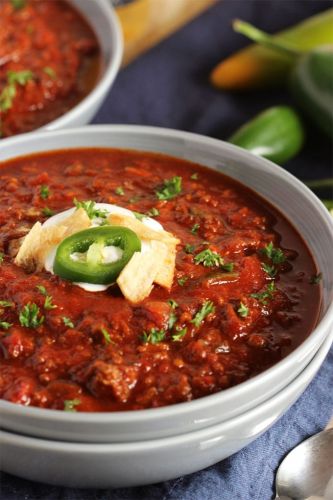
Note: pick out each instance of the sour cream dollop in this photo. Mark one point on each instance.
(111, 252)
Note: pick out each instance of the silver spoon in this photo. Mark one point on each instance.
(307, 471)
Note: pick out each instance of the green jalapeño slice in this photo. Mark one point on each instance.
(96, 255)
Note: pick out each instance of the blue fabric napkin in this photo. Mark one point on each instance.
(169, 87)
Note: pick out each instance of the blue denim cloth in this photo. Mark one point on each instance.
(169, 87)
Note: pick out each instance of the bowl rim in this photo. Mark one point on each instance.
(305, 377)
(144, 415)
(108, 75)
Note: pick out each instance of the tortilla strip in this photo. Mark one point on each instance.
(166, 272)
(39, 241)
(141, 229)
(136, 279)
(76, 222)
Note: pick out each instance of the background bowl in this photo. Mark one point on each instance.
(291, 197)
(145, 462)
(102, 18)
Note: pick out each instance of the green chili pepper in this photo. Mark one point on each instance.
(80, 258)
(311, 76)
(276, 134)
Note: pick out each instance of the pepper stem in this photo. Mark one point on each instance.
(263, 38)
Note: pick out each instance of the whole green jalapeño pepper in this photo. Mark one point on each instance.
(80, 257)
(311, 76)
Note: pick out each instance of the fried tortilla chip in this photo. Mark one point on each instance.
(144, 232)
(137, 278)
(76, 222)
(166, 272)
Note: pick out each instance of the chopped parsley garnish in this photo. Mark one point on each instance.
(48, 305)
(173, 304)
(30, 316)
(176, 337)
(41, 289)
(207, 308)
(189, 248)
(119, 190)
(4, 325)
(242, 311)
(135, 198)
(9, 91)
(139, 216)
(182, 281)
(194, 176)
(2, 256)
(6, 303)
(274, 254)
(172, 320)
(153, 212)
(67, 322)
(154, 336)
(195, 228)
(48, 212)
(171, 188)
(89, 207)
(18, 4)
(209, 258)
(44, 192)
(266, 295)
(316, 279)
(106, 335)
(50, 72)
(70, 404)
(270, 270)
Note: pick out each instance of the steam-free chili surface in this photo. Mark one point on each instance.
(70, 362)
(49, 60)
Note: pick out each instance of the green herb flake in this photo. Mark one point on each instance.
(172, 320)
(2, 256)
(6, 303)
(209, 258)
(90, 209)
(70, 404)
(48, 304)
(67, 322)
(106, 336)
(44, 192)
(276, 255)
(270, 270)
(18, 4)
(316, 279)
(139, 216)
(177, 337)
(172, 303)
(4, 325)
(195, 228)
(207, 308)
(50, 72)
(47, 212)
(194, 177)
(242, 310)
(170, 189)
(154, 336)
(153, 212)
(266, 295)
(30, 316)
(182, 281)
(119, 191)
(9, 91)
(189, 248)
(42, 289)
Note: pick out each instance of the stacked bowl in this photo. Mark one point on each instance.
(146, 446)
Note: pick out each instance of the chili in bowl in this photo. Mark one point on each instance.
(146, 292)
(57, 62)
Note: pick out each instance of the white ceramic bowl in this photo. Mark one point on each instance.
(145, 462)
(299, 205)
(102, 18)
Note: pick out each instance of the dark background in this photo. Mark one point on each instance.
(169, 87)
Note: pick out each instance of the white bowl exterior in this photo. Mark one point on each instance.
(102, 18)
(133, 464)
(296, 201)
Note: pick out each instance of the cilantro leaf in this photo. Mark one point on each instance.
(30, 316)
(119, 191)
(153, 212)
(171, 188)
(50, 72)
(266, 295)
(70, 404)
(48, 304)
(44, 192)
(316, 279)
(207, 308)
(106, 335)
(6, 303)
(47, 212)
(91, 211)
(242, 310)
(195, 228)
(4, 325)
(67, 322)
(154, 336)
(276, 255)
(176, 337)
(209, 258)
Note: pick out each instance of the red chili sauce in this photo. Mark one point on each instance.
(49, 61)
(242, 335)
